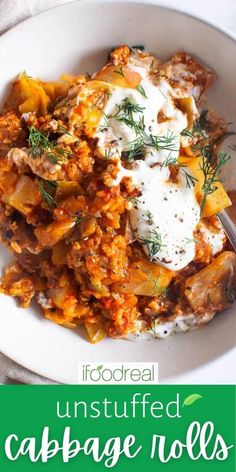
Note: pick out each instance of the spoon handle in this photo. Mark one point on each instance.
(228, 226)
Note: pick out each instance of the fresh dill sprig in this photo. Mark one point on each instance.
(64, 130)
(165, 292)
(190, 240)
(24, 74)
(38, 141)
(135, 150)
(107, 94)
(170, 160)
(141, 90)
(143, 140)
(153, 326)
(149, 216)
(57, 154)
(128, 108)
(211, 174)
(188, 133)
(190, 179)
(196, 131)
(152, 64)
(140, 47)
(202, 120)
(133, 199)
(47, 190)
(128, 121)
(166, 142)
(119, 72)
(156, 287)
(106, 118)
(155, 283)
(109, 152)
(40, 144)
(163, 94)
(125, 114)
(80, 217)
(209, 169)
(153, 242)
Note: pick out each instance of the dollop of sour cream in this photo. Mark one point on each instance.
(166, 213)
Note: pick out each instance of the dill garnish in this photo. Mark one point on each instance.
(208, 166)
(190, 240)
(170, 160)
(205, 143)
(64, 130)
(165, 292)
(152, 64)
(135, 150)
(166, 142)
(141, 90)
(190, 180)
(162, 93)
(153, 326)
(24, 74)
(40, 144)
(106, 118)
(149, 217)
(128, 120)
(80, 217)
(153, 242)
(211, 177)
(109, 152)
(140, 47)
(125, 114)
(37, 141)
(128, 108)
(133, 199)
(188, 133)
(47, 190)
(119, 72)
(196, 131)
(155, 283)
(156, 287)
(143, 140)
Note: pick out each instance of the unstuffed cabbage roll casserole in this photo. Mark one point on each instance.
(110, 186)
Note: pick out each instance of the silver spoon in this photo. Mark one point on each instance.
(228, 226)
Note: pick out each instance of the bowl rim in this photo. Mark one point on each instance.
(158, 3)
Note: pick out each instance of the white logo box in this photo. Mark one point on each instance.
(118, 373)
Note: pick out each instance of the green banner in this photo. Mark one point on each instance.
(125, 428)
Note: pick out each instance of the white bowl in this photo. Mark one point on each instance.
(77, 37)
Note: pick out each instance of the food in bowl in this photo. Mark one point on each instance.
(110, 186)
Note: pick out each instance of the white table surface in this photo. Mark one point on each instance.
(223, 14)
